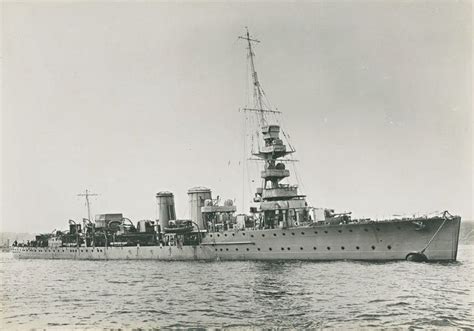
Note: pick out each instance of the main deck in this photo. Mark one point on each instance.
(376, 241)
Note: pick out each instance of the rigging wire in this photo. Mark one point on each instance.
(288, 141)
(243, 157)
(244, 162)
(261, 101)
(249, 187)
(251, 129)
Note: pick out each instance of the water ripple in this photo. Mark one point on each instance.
(150, 295)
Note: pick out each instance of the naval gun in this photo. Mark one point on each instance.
(336, 218)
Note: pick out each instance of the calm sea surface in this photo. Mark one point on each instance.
(146, 294)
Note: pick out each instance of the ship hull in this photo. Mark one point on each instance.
(377, 241)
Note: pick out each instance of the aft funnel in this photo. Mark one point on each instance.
(197, 198)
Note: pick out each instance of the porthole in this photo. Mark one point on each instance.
(292, 233)
(227, 249)
(329, 248)
(216, 249)
(233, 234)
(325, 231)
(274, 234)
(225, 234)
(210, 235)
(258, 249)
(357, 247)
(373, 247)
(340, 231)
(283, 248)
(243, 233)
(218, 235)
(301, 248)
(288, 248)
(377, 229)
(270, 249)
(314, 248)
(236, 249)
(399, 228)
(315, 232)
(251, 235)
(350, 230)
(366, 230)
(221, 249)
(389, 247)
(263, 235)
(302, 233)
(283, 234)
(247, 249)
(342, 247)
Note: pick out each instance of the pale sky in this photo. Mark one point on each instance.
(131, 98)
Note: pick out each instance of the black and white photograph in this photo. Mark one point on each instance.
(239, 165)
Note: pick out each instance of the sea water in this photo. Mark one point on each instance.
(151, 294)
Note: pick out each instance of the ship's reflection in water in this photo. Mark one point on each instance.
(148, 294)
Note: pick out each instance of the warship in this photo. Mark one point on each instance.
(281, 225)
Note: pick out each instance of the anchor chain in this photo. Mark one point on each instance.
(436, 233)
(420, 256)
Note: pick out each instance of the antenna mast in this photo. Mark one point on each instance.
(257, 90)
(87, 195)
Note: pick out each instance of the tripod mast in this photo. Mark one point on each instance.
(257, 89)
